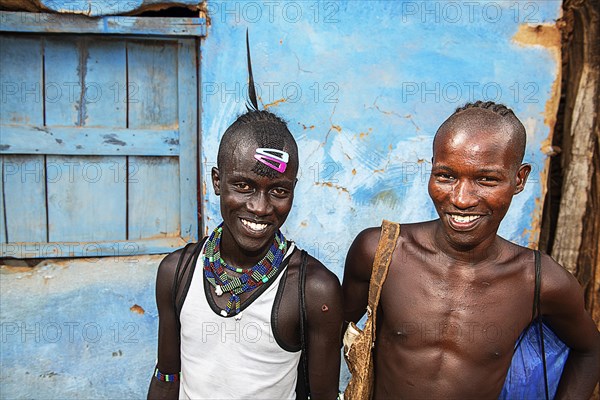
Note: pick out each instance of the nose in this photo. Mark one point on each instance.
(464, 195)
(259, 204)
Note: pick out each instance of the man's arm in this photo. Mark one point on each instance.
(357, 273)
(324, 325)
(168, 331)
(563, 309)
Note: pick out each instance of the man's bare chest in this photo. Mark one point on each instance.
(478, 317)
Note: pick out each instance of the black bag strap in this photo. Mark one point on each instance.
(538, 310)
(180, 273)
(303, 330)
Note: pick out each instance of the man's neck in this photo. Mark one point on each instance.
(234, 256)
(471, 254)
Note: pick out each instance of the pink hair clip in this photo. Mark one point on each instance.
(273, 158)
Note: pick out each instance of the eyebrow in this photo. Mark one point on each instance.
(490, 170)
(480, 171)
(273, 182)
(443, 167)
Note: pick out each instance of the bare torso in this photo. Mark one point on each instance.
(441, 321)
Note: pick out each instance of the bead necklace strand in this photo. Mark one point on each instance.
(215, 270)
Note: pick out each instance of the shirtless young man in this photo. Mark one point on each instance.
(245, 344)
(457, 296)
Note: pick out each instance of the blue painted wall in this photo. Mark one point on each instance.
(78, 329)
(364, 86)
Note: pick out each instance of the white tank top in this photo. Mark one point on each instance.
(225, 358)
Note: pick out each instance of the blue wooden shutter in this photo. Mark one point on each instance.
(98, 144)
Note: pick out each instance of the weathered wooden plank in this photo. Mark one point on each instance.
(153, 197)
(24, 204)
(105, 94)
(106, 84)
(22, 81)
(54, 23)
(25, 198)
(188, 130)
(86, 199)
(64, 94)
(154, 191)
(90, 249)
(88, 141)
(152, 73)
(2, 222)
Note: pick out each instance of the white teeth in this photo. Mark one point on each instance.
(254, 226)
(465, 218)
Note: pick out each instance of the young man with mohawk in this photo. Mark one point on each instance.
(239, 309)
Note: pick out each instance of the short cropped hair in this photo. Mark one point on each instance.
(502, 111)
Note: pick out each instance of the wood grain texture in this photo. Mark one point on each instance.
(2, 214)
(89, 141)
(22, 81)
(188, 112)
(153, 197)
(25, 197)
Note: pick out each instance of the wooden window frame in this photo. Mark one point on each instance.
(187, 31)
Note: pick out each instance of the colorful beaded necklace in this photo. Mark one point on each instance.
(250, 278)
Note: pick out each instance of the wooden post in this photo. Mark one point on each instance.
(577, 234)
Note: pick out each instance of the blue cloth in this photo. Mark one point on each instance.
(525, 378)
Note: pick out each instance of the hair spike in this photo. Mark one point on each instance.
(263, 127)
(253, 106)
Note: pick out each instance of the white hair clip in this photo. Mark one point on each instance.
(273, 158)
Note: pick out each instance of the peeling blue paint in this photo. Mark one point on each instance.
(374, 93)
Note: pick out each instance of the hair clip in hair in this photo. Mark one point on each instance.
(273, 158)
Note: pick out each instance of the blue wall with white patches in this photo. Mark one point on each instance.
(363, 86)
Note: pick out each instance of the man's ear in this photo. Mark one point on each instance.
(522, 175)
(216, 180)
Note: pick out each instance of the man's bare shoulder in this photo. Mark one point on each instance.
(323, 290)
(359, 261)
(320, 281)
(367, 240)
(558, 284)
(562, 303)
(362, 251)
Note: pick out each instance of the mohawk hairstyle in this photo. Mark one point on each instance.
(264, 129)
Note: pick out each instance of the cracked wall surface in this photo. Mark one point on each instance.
(78, 328)
(364, 90)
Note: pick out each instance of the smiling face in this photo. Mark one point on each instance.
(476, 171)
(253, 206)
